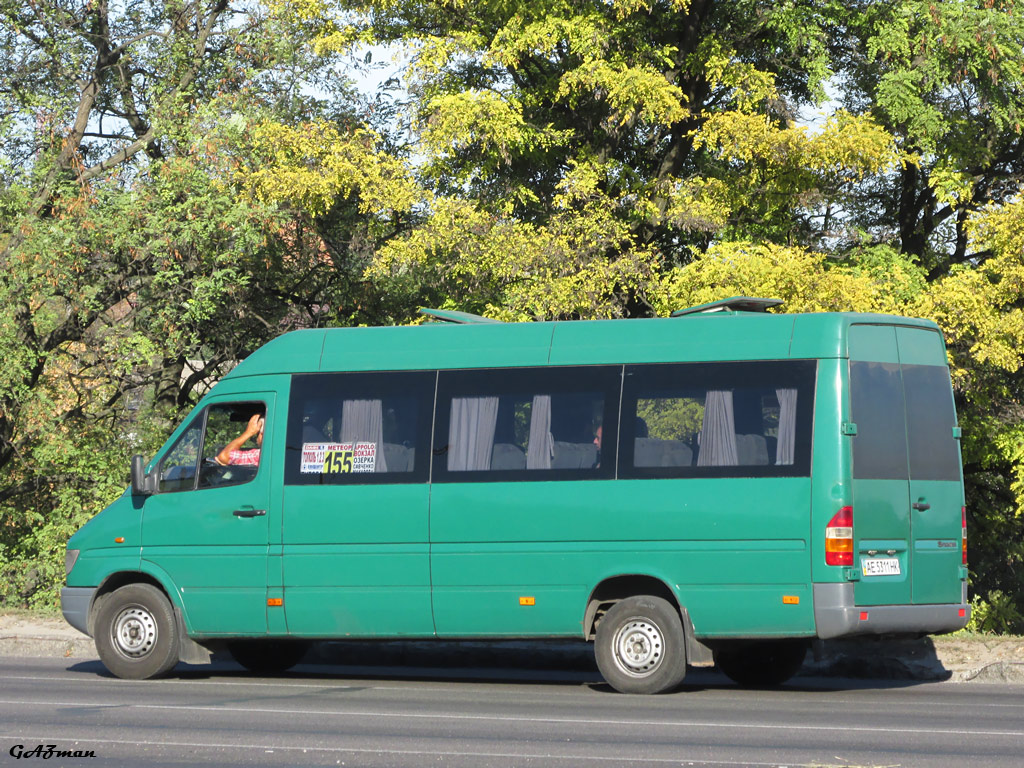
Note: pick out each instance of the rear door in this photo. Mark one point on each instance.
(936, 486)
(881, 478)
(907, 485)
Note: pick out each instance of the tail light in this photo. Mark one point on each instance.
(839, 538)
(963, 523)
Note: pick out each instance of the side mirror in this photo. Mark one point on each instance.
(142, 484)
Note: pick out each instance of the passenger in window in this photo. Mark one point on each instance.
(232, 453)
(597, 444)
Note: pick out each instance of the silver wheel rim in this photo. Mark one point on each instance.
(134, 632)
(639, 647)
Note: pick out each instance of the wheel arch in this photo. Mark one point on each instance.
(120, 579)
(615, 588)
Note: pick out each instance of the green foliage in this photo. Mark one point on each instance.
(998, 614)
(139, 259)
(671, 418)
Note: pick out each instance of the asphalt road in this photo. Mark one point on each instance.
(478, 718)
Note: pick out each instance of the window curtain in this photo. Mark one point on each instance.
(541, 445)
(362, 421)
(471, 433)
(785, 449)
(718, 431)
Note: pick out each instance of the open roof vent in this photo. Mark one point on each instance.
(732, 304)
(454, 316)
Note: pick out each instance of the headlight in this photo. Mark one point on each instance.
(70, 557)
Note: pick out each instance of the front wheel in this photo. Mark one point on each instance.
(136, 635)
(640, 646)
(762, 664)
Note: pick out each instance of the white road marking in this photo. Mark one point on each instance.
(362, 713)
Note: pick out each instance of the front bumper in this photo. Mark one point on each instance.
(836, 615)
(74, 604)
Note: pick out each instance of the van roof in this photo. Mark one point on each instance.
(690, 337)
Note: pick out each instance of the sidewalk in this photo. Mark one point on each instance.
(954, 658)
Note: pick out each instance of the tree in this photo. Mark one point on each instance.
(585, 159)
(137, 265)
(603, 142)
(945, 80)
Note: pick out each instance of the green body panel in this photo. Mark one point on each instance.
(881, 523)
(437, 346)
(496, 542)
(693, 338)
(730, 336)
(295, 352)
(919, 346)
(356, 560)
(100, 556)
(831, 484)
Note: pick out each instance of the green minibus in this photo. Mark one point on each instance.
(720, 486)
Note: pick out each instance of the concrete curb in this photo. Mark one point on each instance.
(47, 646)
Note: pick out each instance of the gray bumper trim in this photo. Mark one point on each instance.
(74, 604)
(836, 615)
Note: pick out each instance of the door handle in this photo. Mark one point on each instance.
(921, 506)
(249, 512)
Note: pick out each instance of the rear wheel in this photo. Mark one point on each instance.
(766, 663)
(268, 657)
(640, 647)
(136, 636)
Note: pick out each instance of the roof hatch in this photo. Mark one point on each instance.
(454, 316)
(732, 304)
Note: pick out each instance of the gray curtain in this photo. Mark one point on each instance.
(786, 447)
(541, 444)
(718, 431)
(471, 433)
(362, 421)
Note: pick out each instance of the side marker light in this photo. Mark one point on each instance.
(275, 601)
(527, 601)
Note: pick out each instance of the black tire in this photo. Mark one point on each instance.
(268, 657)
(763, 664)
(136, 635)
(640, 646)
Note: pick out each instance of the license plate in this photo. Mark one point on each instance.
(881, 566)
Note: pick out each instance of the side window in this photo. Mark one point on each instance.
(717, 420)
(527, 423)
(359, 428)
(233, 444)
(221, 447)
(876, 407)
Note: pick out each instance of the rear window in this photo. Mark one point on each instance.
(876, 401)
(931, 416)
(905, 418)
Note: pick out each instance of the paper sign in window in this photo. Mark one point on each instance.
(338, 458)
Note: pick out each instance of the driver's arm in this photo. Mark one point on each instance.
(251, 430)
